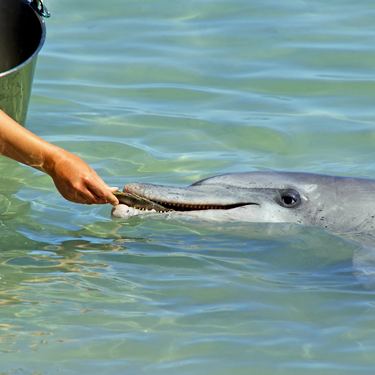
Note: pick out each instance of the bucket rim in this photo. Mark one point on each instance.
(35, 53)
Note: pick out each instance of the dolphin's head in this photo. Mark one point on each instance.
(262, 197)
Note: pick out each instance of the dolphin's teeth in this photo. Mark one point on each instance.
(147, 205)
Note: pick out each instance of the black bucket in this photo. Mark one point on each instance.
(22, 34)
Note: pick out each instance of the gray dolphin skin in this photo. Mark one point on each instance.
(338, 204)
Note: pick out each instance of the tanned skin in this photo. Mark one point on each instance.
(74, 179)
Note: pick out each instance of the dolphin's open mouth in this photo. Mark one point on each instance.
(162, 203)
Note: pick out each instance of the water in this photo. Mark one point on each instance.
(170, 92)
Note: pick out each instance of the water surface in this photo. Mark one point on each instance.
(171, 92)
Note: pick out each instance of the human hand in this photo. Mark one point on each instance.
(77, 181)
(74, 179)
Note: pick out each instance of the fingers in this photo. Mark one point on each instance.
(101, 192)
(82, 196)
(78, 182)
(86, 197)
(88, 192)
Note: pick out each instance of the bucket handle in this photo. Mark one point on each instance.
(40, 8)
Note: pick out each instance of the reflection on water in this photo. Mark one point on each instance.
(164, 295)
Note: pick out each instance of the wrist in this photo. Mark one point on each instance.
(54, 155)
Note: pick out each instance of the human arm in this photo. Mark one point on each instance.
(74, 179)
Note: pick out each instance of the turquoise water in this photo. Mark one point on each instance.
(169, 92)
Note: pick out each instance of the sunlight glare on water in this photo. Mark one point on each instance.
(171, 92)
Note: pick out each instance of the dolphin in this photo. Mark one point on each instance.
(343, 205)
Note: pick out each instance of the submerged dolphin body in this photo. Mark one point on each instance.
(339, 204)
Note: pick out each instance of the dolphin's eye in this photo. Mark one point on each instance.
(289, 198)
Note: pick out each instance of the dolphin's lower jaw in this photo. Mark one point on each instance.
(124, 211)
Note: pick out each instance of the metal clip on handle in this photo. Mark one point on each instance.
(40, 8)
